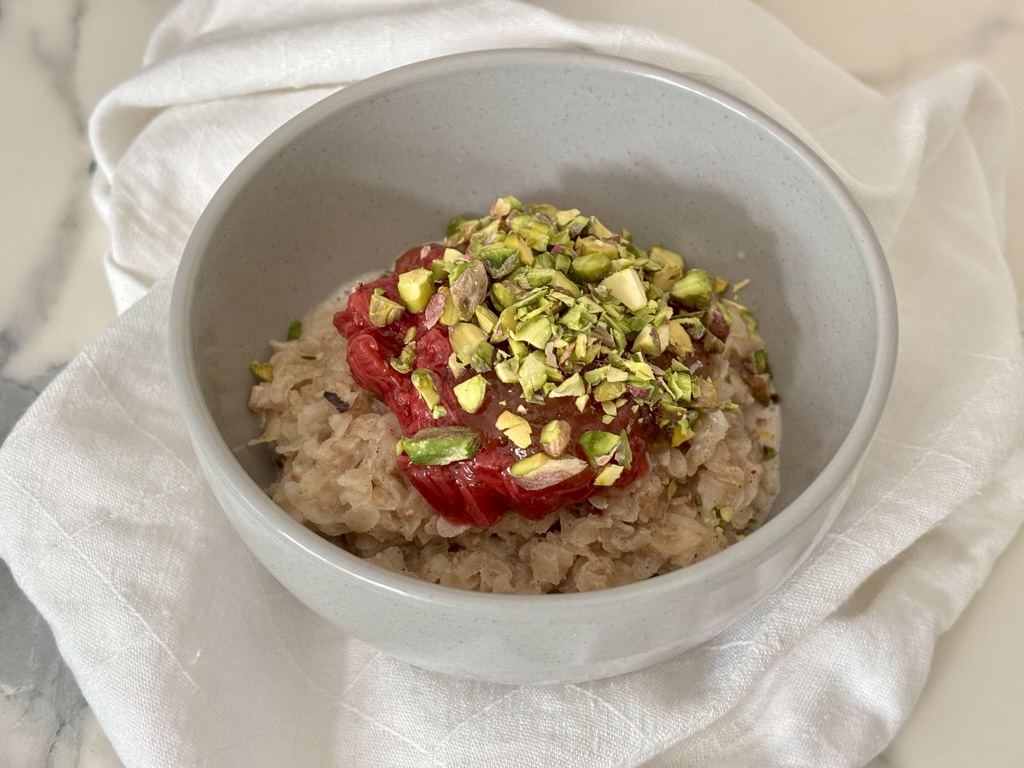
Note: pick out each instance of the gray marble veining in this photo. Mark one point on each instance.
(44, 719)
(41, 707)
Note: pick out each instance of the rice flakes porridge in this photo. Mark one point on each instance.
(709, 468)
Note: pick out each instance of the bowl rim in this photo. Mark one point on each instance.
(216, 457)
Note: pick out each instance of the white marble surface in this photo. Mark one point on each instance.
(57, 57)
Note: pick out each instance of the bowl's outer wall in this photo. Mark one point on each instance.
(516, 644)
(349, 185)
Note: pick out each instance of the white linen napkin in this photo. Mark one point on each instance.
(192, 655)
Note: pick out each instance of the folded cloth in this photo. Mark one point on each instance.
(191, 654)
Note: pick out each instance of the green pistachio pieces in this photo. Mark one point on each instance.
(405, 360)
(516, 428)
(599, 446)
(499, 259)
(693, 289)
(573, 386)
(591, 267)
(608, 475)
(470, 393)
(415, 288)
(294, 330)
(671, 264)
(262, 371)
(556, 304)
(465, 338)
(555, 436)
(423, 381)
(436, 446)
(469, 289)
(384, 311)
(627, 287)
(537, 332)
(540, 471)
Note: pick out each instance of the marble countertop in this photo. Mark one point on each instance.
(56, 60)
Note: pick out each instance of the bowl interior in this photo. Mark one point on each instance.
(350, 184)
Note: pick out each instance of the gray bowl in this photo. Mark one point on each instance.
(347, 185)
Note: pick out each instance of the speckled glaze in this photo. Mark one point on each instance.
(350, 183)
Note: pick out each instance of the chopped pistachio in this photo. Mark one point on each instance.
(560, 284)
(483, 357)
(599, 446)
(470, 393)
(499, 259)
(748, 319)
(591, 268)
(624, 453)
(294, 330)
(539, 471)
(693, 289)
(507, 370)
(627, 287)
(455, 226)
(608, 475)
(486, 319)
(415, 288)
(680, 385)
(571, 387)
(562, 218)
(516, 428)
(694, 327)
(503, 295)
(760, 361)
(639, 370)
(577, 318)
(608, 390)
(405, 360)
(531, 230)
(423, 381)
(504, 326)
(449, 314)
(587, 246)
(761, 387)
(652, 341)
(383, 311)
(679, 340)
(262, 371)
(532, 373)
(465, 338)
(555, 436)
(721, 285)
(456, 366)
(505, 205)
(537, 332)
(770, 453)
(469, 289)
(671, 267)
(599, 230)
(437, 446)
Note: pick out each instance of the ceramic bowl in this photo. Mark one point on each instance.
(350, 183)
